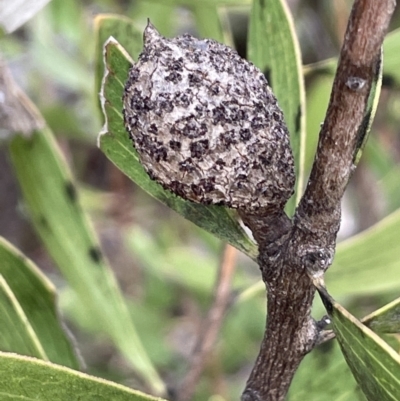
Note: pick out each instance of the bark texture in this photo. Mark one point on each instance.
(293, 251)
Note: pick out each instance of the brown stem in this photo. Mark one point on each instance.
(292, 251)
(290, 334)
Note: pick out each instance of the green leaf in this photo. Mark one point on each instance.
(114, 142)
(273, 47)
(371, 259)
(24, 378)
(123, 30)
(55, 210)
(385, 319)
(375, 365)
(28, 303)
(17, 334)
(324, 376)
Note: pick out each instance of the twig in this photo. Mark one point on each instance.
(292, 251)
(212, 324)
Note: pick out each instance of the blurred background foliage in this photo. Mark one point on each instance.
(165, 265)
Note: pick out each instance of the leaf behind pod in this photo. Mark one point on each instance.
(273, 47)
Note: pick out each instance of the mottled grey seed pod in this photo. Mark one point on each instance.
(206, 124)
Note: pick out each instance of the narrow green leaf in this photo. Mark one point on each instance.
(371, 259)
(55, 210)
(123, 30)
(114, 142)
(24, 378)
(273, 47)
(375, 365)
(16, 332)
(323, 375)
(32, 313)
(385, 319)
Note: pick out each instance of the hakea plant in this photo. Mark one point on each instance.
(207, 127)
(210, 142)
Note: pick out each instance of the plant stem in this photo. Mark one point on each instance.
(287, 250)
(289, 335)
(292, 251)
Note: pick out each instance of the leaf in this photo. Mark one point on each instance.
(324, 376)
(385, 319)
(371, 259)
(17, 334)
(374, 364)
(123, 30)
(52, 200)
(24, 378)
(360, 259)
(28, 302)
(116, 145)
(273, 47)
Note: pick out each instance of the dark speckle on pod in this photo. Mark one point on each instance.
(206, 124)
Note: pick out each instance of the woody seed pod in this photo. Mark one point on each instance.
(206, 124)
